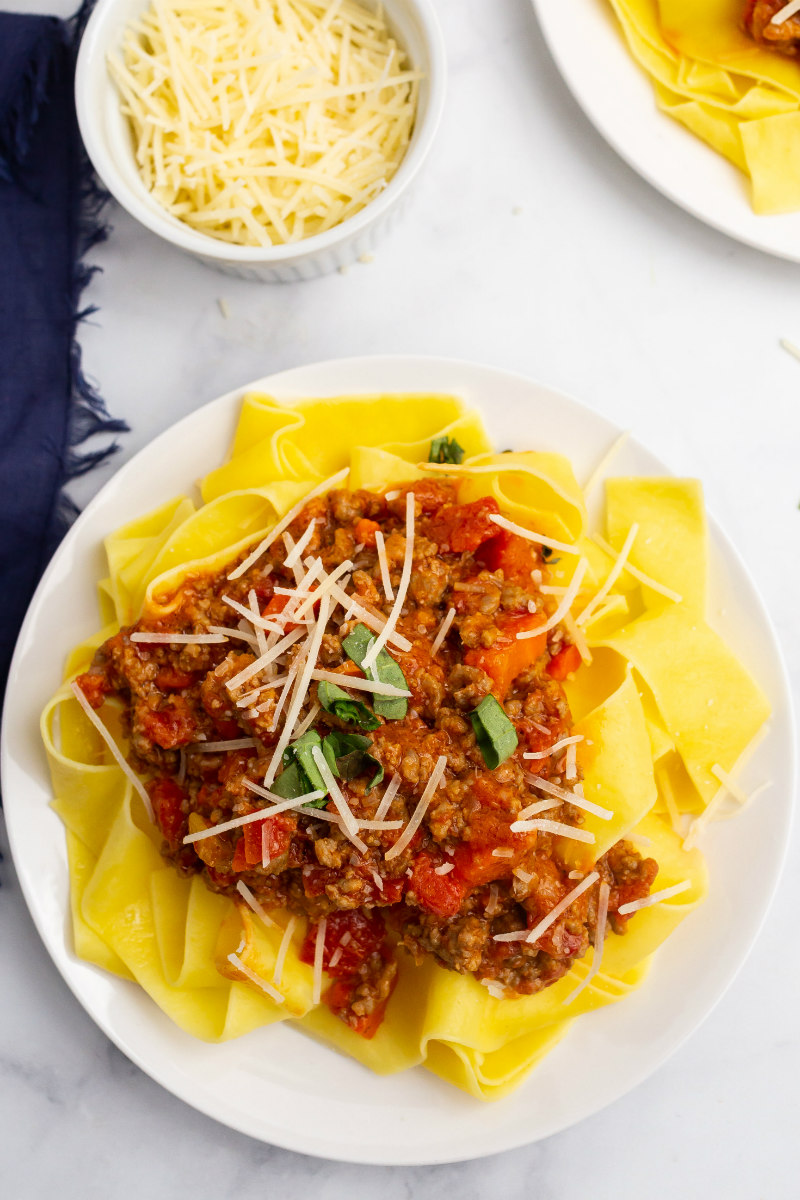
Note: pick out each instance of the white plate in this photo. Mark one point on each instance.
(275, 1084)
(589, 50)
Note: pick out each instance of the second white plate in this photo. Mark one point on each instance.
(589, 50)
(276, 1084)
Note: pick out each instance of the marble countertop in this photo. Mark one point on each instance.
(558, 262)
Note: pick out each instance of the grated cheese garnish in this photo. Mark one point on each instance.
(136, 782)
(436, 776)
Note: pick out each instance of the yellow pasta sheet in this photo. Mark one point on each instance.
(707, 73)
(662, 701)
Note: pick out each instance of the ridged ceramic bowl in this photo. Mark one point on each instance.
(107, 138)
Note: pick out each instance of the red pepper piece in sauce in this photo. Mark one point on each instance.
(513, 555)
(509, 656)
(94, 687)
(442, 895)
(172, 679)
(463, 527)
(249, 848)
(169, 727)
(339, 998)
(167, 798)
(564, 663)
(364, 531)
(366, 935)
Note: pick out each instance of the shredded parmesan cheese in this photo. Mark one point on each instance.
(783, 14)
(358, 684)
(286, 521)
(263, 124)
(349, 823)
(539, 807)
(272, 992)
(179, 639)
(402, 588)
(388, 797)
(383, 562)
(499, 852)
(419, 812)
(555, 827)
(442, 631)
(533, 936)
(260, 663)
(319, 952)
(647, 580)
(444, 869)
(280, 958)
(251, 902)
(599, 942)
(296, 552)
(530, 536)
(554, 749)
(219, 747)
(564, 606)
(574, 797)
(654, 898)
(612, 578)
(136, 782)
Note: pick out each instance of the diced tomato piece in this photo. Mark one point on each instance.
(366, 934)
(227, 728)
(171, 679)
(463, 527)
(94, 687)
(167, 797)
(364, 531)
(221, 878)
(513, 555)
(490, 830)
(509, 656)
(439, 894)
(249, 848)
(169, 727)
(564, 663)
(339, 999)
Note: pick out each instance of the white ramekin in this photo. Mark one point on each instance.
(108, 142)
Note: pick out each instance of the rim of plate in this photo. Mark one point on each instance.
(658, 148)
(287, 385)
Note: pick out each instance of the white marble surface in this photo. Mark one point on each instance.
(530, 246)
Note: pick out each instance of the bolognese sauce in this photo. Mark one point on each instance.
(391, 784)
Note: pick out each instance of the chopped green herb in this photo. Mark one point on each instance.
(301, 774)
(383, 670)
(495, 735)
(292, 783)
(445, 449)
(546, 552)
(345, 707)
(347, 757)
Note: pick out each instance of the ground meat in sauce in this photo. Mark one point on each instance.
(784, 37)
(448, 893)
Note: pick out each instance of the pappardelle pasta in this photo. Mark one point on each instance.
(382, 740)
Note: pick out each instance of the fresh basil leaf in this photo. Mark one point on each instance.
(292, 783)
(301, 749)
(301, 774)
(445, 449)
(334, 700)
(348, 758)
(494, 733)
(383, 670)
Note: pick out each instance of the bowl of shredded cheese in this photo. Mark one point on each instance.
(273, 139)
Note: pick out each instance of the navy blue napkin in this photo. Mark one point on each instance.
(49, 218)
